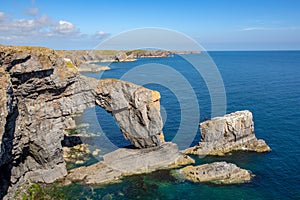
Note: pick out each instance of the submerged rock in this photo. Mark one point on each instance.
(217, 172)
(231, 132)
(125, 161)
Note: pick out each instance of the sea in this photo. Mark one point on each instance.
(265, 82)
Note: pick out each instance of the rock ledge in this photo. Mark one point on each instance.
(125, 162)
(217, 172)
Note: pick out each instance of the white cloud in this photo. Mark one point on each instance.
(287, 28)
(31, 11)
(36, 27)
(2, 16)
(42, 30)
(100, 35)
(64, 28)
(254, 28)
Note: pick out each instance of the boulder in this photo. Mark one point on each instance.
(217, 172)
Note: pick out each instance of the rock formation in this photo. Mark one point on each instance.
(41, 90)
(81, 57)
(39, 93)
(221, 135)
(136, 109)
(217, 172)
(124, 162)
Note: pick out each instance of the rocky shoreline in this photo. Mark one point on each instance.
(40, 92)
(84, 60)
(126, 162)
(41, 89)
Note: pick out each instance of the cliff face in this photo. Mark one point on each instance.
(79, 57)
(39, 93)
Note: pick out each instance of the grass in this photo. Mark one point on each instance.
(109, 52)
(35, 191)
(70, 65)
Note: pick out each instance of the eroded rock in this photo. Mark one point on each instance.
(124, 162)
(231, 132)
(135, 108)
(217, 172)
(39, 93)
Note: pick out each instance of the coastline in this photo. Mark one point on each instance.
(69, 94)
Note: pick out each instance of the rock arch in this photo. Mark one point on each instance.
(39, 94)
(135, 109)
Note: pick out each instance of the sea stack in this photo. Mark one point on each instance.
(231, 132)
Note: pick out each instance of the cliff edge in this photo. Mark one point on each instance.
(39, 93)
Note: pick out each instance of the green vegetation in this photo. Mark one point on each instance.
(72, 131)
(34, 191)
(70, 65)
(109, 52)
(88, 159)
(135, 51)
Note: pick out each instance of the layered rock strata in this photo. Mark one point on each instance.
(217, 172)
(124, 162)
(40, 92)
(81, 57)
(231, 132)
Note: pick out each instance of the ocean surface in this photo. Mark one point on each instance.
(265, 82)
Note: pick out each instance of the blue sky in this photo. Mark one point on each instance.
(215, 24)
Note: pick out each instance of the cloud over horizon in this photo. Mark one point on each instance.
(283, 28)
(40, 28)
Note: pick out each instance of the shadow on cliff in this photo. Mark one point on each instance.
(7, 147)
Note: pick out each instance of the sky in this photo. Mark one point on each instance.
(214, 24)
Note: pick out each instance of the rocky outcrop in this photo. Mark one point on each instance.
(90, 67)
(136, 109)
(221, 135)
(124, 162)
(39, 93)
(217, 172)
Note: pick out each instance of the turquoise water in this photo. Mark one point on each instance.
(266, 83)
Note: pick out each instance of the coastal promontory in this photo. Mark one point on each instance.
(40, 91)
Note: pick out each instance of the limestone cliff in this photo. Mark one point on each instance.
(39, 93)
(231, 132)
(80, 57)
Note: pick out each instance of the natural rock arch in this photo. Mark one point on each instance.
(39, 94)
(135, 109)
